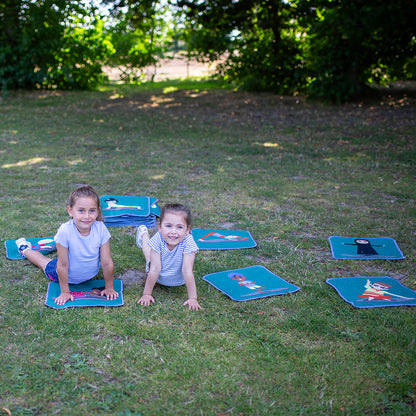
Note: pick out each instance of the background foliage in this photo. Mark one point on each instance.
(50, 44)
(141, 32)
(353, 43)
(330, 49)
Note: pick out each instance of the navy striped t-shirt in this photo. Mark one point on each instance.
(171, 273)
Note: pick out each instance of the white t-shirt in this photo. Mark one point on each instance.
(171, 273)
(83, 251)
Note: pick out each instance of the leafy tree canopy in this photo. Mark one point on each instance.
(141, 32)
(331, 48)
(353, 43)
(49, 43)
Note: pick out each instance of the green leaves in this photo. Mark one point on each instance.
(333, 50)
(50, 44)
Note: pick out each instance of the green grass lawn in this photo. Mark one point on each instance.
(291, 172)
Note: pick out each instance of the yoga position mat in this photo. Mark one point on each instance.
(121, 211)
(212, 239)
(249, 283)
(44, 245)
(373, 292)
(85, 294)
(365, 248)
(117, 205)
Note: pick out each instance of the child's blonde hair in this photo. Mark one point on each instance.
(86, 191)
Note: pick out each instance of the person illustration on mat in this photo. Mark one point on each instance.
(378, 291)
(169, 254)
(83, 245)
(249, 284)
(94, 293)
(113, 204)
(46, 245)
(221, 238)
(364, 247)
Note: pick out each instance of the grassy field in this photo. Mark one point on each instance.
(291, 172)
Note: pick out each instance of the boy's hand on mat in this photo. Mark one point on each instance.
(63, 298)
(110, 294)
(192, 304)
(146, 299)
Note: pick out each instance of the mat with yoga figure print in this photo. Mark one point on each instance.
(361, 248)
(249, 283)
(373, 292)
(85, 294)
(216, 239)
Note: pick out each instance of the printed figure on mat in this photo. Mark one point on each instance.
(364, 247)
(217, 237)
(88, 294)
(82, 244)
(379, 291)
(46, 245)
(249, 284)
(169, 254)
(112, 203)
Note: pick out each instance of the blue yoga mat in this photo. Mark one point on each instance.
(44, 245)
(373, 292)
(360, 248)
(213, 239)
(85, 294)
(249, 283)
(117, 205)
(121, 211)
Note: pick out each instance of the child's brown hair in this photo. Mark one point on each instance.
(86, 191)
(177, 209)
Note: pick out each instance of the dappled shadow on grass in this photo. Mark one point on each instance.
(204, 103)
(228, 106)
